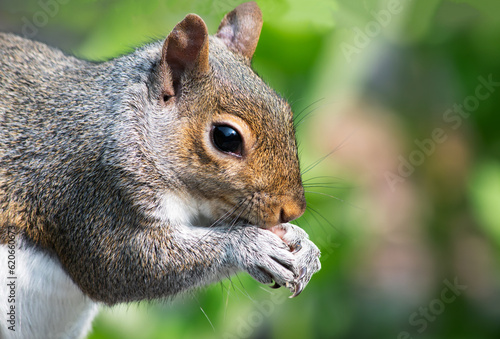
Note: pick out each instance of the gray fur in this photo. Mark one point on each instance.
(87, 150)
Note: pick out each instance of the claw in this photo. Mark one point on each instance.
(298, 289)
(276, 285)
(302, 274)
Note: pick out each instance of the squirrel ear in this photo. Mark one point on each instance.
(186, 48)
(240, 29)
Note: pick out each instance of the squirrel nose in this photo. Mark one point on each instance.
(292, 209)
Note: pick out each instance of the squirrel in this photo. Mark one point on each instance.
(143, 177)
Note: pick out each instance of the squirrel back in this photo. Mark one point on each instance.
(51, 107)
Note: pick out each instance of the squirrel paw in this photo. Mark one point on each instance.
(306, 255)
(283, 255)
(263, 255)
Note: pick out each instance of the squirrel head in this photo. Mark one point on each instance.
(222, 137)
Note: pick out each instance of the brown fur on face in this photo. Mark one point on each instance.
(267, 176)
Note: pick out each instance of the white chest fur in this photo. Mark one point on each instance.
(48, 305)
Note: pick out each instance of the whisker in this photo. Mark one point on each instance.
(320, 160)
(227, 301)
(266, 289)
(336, 198)
(315, 213)
(223, 218)
(326, 185)
(299, 118)
(228, 213)
(332, 182)
(306, 107)
(307, 115)
(210, 322)
(304, 218)
(322, 177)
(235, 219)
(245, 293)
(347, 236)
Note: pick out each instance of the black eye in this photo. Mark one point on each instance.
(226, 139)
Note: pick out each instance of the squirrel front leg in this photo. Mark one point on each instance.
(163, 261)
(283, 255)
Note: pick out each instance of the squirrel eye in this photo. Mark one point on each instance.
(226, 139)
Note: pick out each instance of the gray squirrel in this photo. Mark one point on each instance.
(144, 176)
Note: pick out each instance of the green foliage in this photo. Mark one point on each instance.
(416, 66)
(485, 188)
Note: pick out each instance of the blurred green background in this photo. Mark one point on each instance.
(403, 98)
